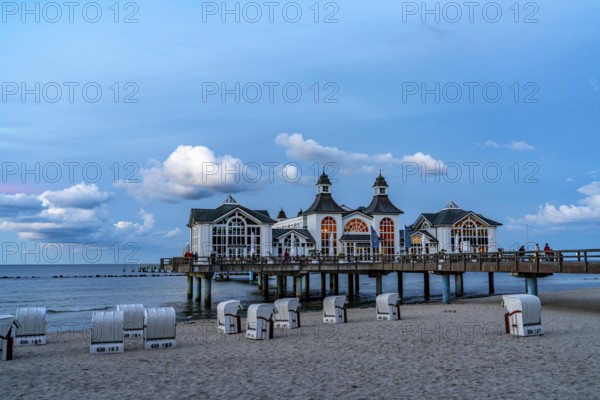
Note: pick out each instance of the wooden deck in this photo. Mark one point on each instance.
(584, 261)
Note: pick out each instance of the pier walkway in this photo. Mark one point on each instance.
(529, 265)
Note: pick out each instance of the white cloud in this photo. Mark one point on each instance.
(171, 234)
(491, 143)
(309, 150)
(515, 145)
(81, 195)
(146, 225)
(550, 215)
(520, 146)
(192, 172)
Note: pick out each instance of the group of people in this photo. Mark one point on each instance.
(548, 253)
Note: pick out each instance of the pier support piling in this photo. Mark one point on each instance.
(198, 284)
(446, 291)
(207, 289)
(298, 286)
(426, 293)
(356, 283)
(532, 287)
(491, 283)
(331, 280)
(251, 277)
(260, 281)
(351, 286)
(458, 284)
(265, 286)
(307, 285)
(280, 280)
(336, 284)
(190, 287)
(323, 284)
(401, 285)
(378, 284)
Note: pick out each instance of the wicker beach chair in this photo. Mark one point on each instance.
(159, 328)
(524, 315)
(334, 310)
(32, 326)
(287, 313)
(228, 320)
(107, 332)
(259, 324)
(133, 320)
(388, 306)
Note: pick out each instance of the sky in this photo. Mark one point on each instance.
(117, 118)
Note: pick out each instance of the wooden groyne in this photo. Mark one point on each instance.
(530, 265)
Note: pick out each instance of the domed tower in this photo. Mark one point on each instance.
(386, 217)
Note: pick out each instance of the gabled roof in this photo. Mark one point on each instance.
(324, 203)
(451, 215)
(381, 204)
(429, 236)
(277, 233)
(360, 211)
(213, 214)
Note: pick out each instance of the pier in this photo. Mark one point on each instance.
(528, 265)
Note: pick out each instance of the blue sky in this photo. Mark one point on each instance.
(394, 93)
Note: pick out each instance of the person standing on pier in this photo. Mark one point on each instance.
(547, 252)
(537, 252)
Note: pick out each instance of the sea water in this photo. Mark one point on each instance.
(71, 293)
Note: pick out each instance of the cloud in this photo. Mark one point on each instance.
(12, 205)
(79, 196)
(549, 215)
(515, 145)
(520, 146)
(309, 150)
(491, 143)
(192, 173)
(145, 226)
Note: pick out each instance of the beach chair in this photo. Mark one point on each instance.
(228, 320)
(133, 320)
(334, 310)
(159, 328)
(259, 324)
(524, 315)
(107, 332)
(287, 313)
(388, 306)
(7, 325)
(32, 326)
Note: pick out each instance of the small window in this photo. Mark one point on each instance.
(325, 189)
(381, 191)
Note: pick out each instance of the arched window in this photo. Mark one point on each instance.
(469, 236)
(328, 232)
(235, 236)
(386, 235)
(356, 225)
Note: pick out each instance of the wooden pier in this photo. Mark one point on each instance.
(529, 265)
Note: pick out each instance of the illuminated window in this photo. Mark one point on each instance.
(328, 227)
(386, 235)
(356, 225)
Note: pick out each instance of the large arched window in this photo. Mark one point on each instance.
(328, 232)
(356, 225)
(469, 236)
(386, 235)
(236, 236)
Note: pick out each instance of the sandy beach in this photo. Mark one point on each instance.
(436, 351)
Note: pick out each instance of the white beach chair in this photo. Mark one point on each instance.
(287, 313)
(7, 325)
(524, 315)
(259, 324)
(32, 329)
(107, 332)
(228, 320)
(388, 306)
(159, 328)
(133, 320)
(334, 310)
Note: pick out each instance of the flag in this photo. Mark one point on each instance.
(407, 241)
(374, 238)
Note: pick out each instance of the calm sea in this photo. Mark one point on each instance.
(71, 292)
